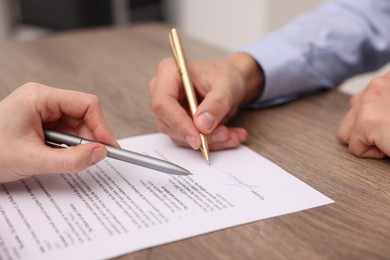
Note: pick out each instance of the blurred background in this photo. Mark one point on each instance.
(227, 24)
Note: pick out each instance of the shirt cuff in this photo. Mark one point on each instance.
(286, 71)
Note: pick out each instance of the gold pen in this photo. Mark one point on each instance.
(178, 53)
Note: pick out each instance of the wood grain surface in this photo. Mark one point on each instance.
(116, 64)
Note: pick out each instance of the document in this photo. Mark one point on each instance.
(114, 208)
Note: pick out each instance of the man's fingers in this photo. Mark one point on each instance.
(360, 148)
(346, 126)
(222, 138)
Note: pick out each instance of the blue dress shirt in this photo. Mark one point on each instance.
(322, 48)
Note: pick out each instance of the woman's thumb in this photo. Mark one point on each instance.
(73, 159)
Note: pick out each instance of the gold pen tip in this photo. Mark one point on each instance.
(206, 155)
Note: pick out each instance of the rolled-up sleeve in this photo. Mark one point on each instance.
(323, 48)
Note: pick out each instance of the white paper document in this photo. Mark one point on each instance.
(114, 208)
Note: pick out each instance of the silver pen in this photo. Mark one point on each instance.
(54, 138)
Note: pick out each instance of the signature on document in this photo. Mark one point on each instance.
(237, 182)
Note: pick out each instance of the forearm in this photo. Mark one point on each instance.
(323, 48)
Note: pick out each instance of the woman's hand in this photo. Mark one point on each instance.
(33, 106)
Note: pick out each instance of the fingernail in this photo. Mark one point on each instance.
(230, 144)
(218, 136)
(98, 154)
(206, 120)
(191, 141)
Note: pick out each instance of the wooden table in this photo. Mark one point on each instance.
(117, 64)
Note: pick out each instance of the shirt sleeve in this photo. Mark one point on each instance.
(322, 48)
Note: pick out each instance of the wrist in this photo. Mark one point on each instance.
(252, 75)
